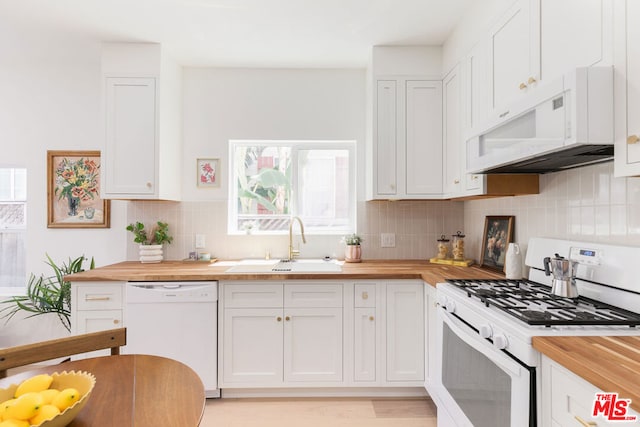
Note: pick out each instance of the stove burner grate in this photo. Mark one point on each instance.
(534, 304)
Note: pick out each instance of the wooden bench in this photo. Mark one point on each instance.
(27, 354)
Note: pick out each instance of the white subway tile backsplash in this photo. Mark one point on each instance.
(585, 204)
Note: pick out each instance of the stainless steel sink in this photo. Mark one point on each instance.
(286, 266)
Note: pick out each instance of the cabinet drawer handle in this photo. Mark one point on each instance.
(365, 295)
(503, 114)
(89, 298)
(585, 423)
(522, 86)
(372, 318)
(279, 319)
(632, 139)
(474, 177)
(287, 318)
(531, 80)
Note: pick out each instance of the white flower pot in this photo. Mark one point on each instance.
(150, 253)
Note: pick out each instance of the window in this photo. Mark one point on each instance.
(13, 226)
(273, 180)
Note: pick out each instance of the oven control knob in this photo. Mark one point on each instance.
(500, 341)
(450, 306)
(485, 331)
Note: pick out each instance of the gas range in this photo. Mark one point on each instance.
(534, 304)
(509, 313)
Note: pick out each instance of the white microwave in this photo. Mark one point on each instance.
(562, 124)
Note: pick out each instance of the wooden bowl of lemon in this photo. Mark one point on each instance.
(45, 400)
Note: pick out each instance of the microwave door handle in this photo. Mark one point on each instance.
(480, 344)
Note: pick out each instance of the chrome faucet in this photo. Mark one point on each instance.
(294, 252)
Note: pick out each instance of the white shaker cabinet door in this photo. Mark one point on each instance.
(364, 346)
(405, 331)
(423, 161)
(252, 345)
(514, 56)
(312, 344)
(386, 138)
(131, 154)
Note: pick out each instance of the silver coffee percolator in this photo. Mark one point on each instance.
(564, 276)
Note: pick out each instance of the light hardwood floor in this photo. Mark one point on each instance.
(322, 412)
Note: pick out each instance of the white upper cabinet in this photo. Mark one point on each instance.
(627, 88)
(514, 55)
(404, 155)
(574, 33)
(453, 143)
(142, 97)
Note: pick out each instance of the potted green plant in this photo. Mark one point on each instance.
(353, 251)
(47, 295)
(150, 243)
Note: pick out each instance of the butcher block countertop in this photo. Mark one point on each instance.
(610, 363)
(185, 270)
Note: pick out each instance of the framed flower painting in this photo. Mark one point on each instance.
(208, 172)
(73, 191)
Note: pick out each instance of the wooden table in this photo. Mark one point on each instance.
(134, 390)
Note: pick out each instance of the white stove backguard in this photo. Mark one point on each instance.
(610, 265)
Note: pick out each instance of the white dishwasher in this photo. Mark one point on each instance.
(178, 320)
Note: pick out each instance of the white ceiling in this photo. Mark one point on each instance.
(251, 33)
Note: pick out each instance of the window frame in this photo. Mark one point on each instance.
(296, 146)
(9, 289)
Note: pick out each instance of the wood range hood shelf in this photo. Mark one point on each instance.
(502, 185)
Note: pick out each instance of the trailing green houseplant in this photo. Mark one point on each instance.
(46, 295)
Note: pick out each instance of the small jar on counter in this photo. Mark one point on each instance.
(443, 247)
(458, 246)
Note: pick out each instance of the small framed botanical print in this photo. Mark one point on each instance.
(498, 233)
(208, 173)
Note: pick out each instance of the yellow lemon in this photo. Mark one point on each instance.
(46, 413)
(14, 423)
(25, 407)
(34, 384)
(66, 398)
(48, 395)
(4, 405)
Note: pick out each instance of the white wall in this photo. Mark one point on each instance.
(50, 100)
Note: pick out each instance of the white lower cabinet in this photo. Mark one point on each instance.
(96, 306)
(405, 331)
(322, 334)
(568, 400)
(252, 344)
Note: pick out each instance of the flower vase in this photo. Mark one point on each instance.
(353, 253)
(74, 202)
(150, 253)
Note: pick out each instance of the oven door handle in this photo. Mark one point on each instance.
(483, 346)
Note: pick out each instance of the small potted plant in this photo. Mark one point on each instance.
(150, 244)
(353, 251)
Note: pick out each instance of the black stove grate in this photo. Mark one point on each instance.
(534, 304)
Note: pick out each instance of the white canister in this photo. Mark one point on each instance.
(513, 262)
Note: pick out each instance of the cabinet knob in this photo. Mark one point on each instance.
(456, 181)
(474, 177)
(632, 139)
(287, 318)
(116, 321)
(371, 318)
(365, 295)
(279, 319)
(522, 86)
(148, 185)
(531, 80)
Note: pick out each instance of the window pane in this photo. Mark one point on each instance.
(13, 195)
(323, 177)
(263, 186)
